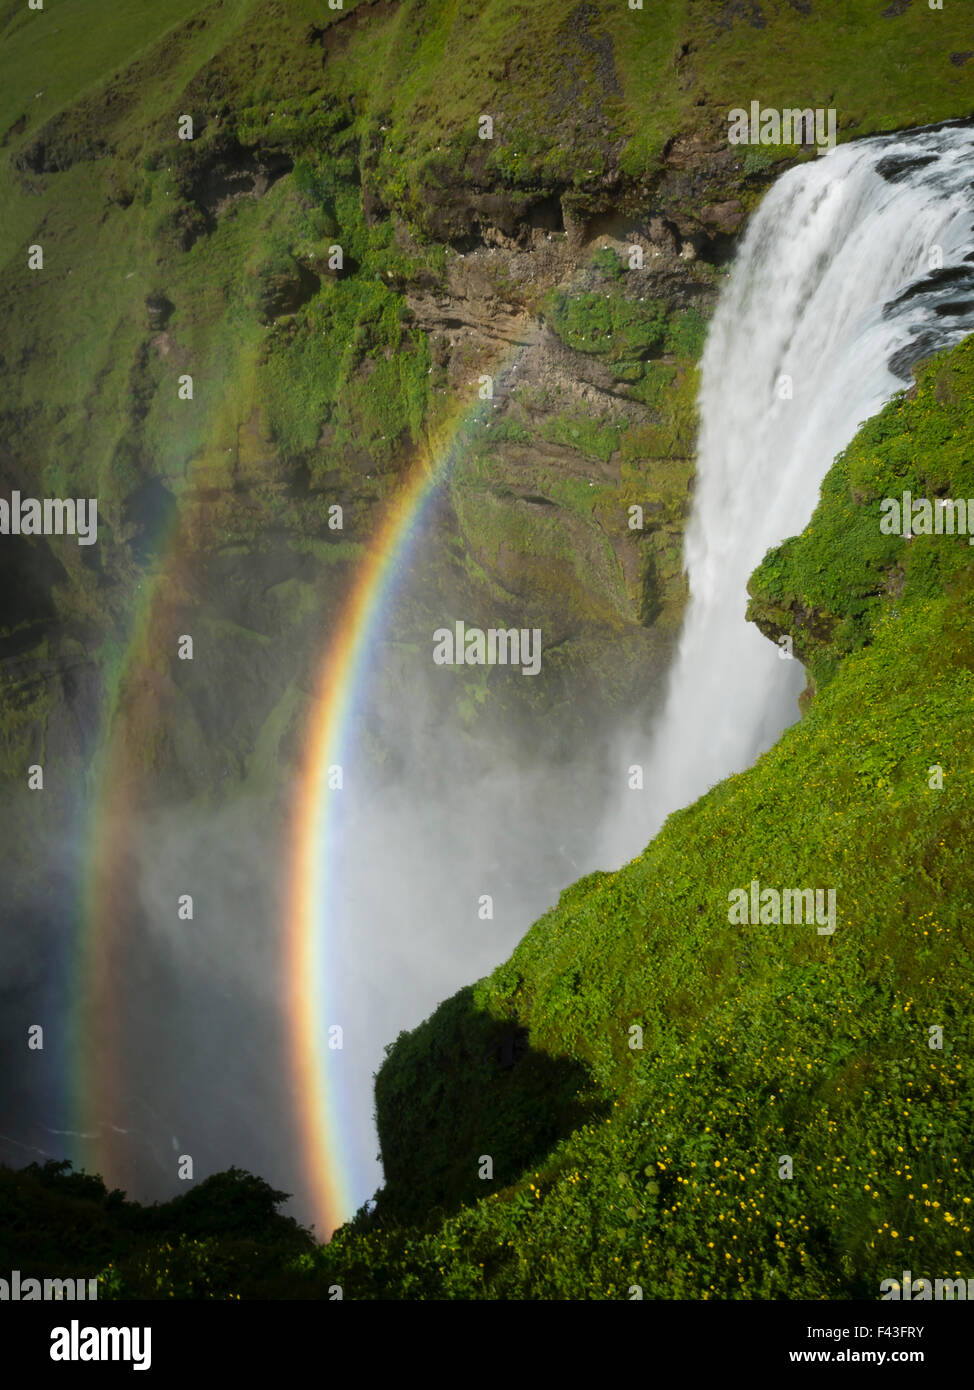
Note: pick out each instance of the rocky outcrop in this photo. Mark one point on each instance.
(284, 291)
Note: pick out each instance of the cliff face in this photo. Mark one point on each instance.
(209, 256)
(312, 385)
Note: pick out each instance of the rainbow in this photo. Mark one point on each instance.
(311, 997)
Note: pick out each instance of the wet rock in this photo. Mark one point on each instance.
(725, 217)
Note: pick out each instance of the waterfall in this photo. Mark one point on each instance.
(853, 268)
(426, 833)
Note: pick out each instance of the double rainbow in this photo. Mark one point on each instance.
(312, 995)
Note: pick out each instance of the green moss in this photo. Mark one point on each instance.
(581, 432)
(830, 586)
(607, 263)
(607, 325)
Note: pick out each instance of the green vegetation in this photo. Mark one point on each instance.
(766, 1040)
(599, 441)
(223, 1239)
(608, 325)
(832, 585)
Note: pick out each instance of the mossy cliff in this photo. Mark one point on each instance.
(312, 385)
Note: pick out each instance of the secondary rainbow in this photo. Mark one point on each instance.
(94, 1029)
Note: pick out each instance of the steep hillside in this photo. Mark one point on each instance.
(659, 1165)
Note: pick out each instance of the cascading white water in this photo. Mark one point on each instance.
(852, 268)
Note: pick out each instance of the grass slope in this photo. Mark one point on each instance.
(758, 1041)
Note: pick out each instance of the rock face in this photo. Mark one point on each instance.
(573, 435)
(228, 172)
